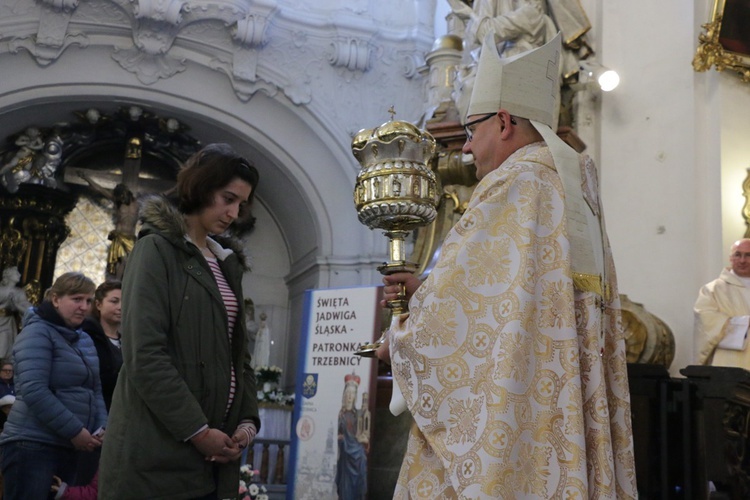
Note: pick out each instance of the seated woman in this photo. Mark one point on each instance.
(59, 405)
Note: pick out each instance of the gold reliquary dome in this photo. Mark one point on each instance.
(396, 188)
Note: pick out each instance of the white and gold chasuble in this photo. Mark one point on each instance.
(516, 381)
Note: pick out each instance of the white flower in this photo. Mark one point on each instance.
(253, 489)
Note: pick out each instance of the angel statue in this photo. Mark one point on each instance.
(13, 304)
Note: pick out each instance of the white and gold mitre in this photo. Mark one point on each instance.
(527, 84)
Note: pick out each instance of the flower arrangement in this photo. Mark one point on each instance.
(268, 378)
(275, 397)
(265, 374)
(249, 489)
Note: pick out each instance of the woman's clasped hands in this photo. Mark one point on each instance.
(85, 441)
(217, 446)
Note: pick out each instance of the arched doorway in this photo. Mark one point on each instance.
(304, 189)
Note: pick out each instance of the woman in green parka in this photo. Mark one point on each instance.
(185, 404)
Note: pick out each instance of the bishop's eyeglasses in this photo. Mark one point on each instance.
(470, 126)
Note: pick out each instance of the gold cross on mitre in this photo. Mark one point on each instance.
(392, 112)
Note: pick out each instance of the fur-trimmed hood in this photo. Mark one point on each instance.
(159, 215)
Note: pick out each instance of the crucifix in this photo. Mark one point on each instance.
(122, 191)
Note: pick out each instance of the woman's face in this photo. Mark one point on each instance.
(6, 372)
(110, 308)
(73, 308)
(227, 201)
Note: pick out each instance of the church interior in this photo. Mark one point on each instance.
(101, 92)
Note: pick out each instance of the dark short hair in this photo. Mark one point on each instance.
(102, 291)
(71, 283)
(209, 170)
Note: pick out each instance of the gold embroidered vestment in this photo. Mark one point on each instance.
(516, 380)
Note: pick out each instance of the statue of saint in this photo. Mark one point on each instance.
(518, 26)
(13, 304)
(262, 351)
(251, 325)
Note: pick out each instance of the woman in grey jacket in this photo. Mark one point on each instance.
(185, 403)
(59, 405)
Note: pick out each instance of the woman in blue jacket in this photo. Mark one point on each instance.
(59, 408)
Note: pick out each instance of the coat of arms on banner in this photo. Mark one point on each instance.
(310, 385)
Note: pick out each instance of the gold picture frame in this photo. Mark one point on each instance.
(725, 43)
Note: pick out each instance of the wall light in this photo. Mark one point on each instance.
(594, 73)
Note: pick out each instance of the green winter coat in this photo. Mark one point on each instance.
(176, 368)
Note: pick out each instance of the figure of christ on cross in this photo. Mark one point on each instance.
(125, 217)
(125, 209)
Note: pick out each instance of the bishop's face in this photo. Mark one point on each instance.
(485, 144)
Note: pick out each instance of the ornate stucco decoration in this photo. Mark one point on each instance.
(249, 34)
(351, 47)
(313, 53)
(357, 47)
(250, 31)
(61, 5)
(157, 23)
(36, 155)
(52, 37)
(166, 11)
(350, 53)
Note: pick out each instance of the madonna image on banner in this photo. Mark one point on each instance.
(353, 441)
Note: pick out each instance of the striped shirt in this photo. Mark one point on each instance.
(233, 308)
